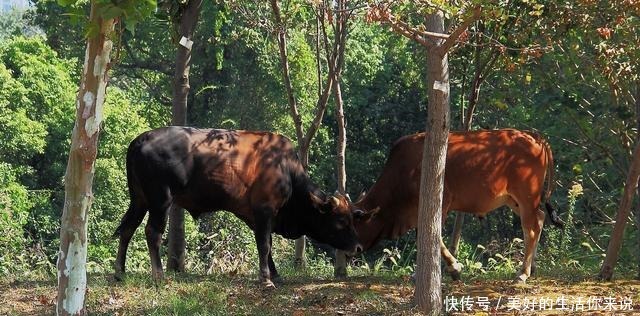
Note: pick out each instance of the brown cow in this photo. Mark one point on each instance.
(255, 175)
(484, 170)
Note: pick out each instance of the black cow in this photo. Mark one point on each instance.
(255, 175)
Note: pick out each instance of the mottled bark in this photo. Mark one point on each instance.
(342, 140)
(428, 293)
(72, 277)
(637, 103)
(606, 272)
(188, 21)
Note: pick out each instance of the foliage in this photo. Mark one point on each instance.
(566, 69)
(17, 22)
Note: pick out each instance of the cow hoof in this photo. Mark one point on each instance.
(299, 263)
(158, 278)
(340, 273)
(454, 271)
(268, 285)
(455, 275)
(521, 279)
(277, 280)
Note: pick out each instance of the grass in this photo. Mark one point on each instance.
(311, 292)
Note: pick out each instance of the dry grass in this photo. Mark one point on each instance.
(188, 294)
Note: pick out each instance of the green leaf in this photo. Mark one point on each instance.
(66, 3)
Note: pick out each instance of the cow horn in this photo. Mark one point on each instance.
(334, 201)
(315, 199)
(346, 196)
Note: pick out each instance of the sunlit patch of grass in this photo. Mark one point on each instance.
(312, 291)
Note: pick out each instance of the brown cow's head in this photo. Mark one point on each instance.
(335, 220)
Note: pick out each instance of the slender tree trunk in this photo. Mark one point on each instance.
(474, 94)
(304, 139)
(72, 257)
(342, 140)
(606, 272)
(188, 22)
(303, 152)
(481, 68)
(637, 102)
(340, 38)
(456, 235)
(638, 232)
(428, 291)
(340, 270)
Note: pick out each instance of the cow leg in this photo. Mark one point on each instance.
(453, 266)
(155, 228)
(130, 222)
(263, 226)
(272, 266)
(531, 227)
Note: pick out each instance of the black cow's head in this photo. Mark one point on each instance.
(333, 223)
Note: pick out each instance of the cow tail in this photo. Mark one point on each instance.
(555, 219)
(132, 216)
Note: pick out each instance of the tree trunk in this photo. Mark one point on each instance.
(304, 139)
(428, 291)
(638, 233)
(481, 68)
(637, 102)
(188, 21)
(606, 272)
(342, 140)
(72, 276)
(340, 270)
(299, 260)
(456, 235)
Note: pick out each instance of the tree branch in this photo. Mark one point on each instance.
(422, 37)
(282, 45)
(451, 40)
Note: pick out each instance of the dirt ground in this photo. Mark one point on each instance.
(371, 295)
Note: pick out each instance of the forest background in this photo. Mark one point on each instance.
(568, 70)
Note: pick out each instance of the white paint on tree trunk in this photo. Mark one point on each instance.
(441, 86)
(85, 205)
(86, 60)
(88, 99)
(75, 260)
(101, 62)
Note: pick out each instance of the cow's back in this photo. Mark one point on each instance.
(481, 167)
(488, 169)
(210, 169)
